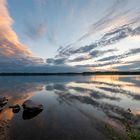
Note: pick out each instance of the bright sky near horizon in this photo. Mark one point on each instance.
(69, 34)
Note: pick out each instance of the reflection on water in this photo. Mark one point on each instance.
(29, 115)
(75, 107)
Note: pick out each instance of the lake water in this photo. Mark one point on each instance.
(75, 107)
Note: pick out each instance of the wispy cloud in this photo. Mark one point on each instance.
(108, 18)
(118, 22)
(116, 61)
(80, 58)
(98, 50)
(35, 31)
(92, 54)
(111, 37)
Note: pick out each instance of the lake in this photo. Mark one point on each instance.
(75, 107)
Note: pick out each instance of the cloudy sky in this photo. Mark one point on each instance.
(69, 35)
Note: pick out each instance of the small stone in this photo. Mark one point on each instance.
(129, 110)
(3, 100)
(31, 106)
(15, 108)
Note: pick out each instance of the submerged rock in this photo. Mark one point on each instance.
(31, 106)
(31, 109)
(3, 100)
(15, 108)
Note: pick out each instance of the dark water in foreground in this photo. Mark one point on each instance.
(75, 107)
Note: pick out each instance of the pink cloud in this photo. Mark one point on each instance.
(9, 43)
(10, 46)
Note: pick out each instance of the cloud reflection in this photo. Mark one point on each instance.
(101, 98)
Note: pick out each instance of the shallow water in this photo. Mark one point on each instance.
(75, 107)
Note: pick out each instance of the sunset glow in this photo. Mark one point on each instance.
(76, 36)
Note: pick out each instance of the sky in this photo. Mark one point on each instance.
(69, 35)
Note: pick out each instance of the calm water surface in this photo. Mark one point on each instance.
(75, 107)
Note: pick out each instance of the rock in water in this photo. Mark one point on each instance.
(3, 101)
(31, 106)
(15, 108)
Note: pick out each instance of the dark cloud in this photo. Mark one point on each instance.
(132, 66)
(99, 65)
(136, 31)
(133, 51)
(115, 35)
(108, 58)
(53, 68)
(59, 61)
(92, 54)
(81, 58)
(97, 53)
(85, 49)
(111, 60)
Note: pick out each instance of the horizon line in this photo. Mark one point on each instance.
(69, 73)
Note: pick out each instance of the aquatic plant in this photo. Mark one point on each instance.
(130, 131)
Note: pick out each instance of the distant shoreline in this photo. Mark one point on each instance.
(72, 73)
